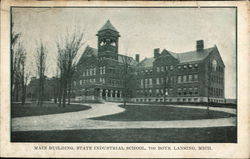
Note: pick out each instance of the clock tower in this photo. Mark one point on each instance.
(107, 43)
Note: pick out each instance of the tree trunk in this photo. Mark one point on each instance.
(24, 94)
(60, 93)
(64, 94)
(17, 91)
(69, 92)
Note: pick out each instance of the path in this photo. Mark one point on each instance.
(79, 120)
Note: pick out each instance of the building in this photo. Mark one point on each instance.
(104, 74)
(100, 72)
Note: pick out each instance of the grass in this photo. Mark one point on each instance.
(161, 113)
(187, 135)
(31, 109)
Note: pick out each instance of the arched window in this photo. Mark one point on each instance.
(214, 64)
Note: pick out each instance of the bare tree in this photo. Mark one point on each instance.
(68, 48)
(19, 71)
(22, 72)
(41, 66)
(15, 63)
(127, 77)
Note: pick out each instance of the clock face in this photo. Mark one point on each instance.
(214, 64)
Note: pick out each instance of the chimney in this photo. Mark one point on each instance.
(199, 45)
(137, 57)
(156, 52)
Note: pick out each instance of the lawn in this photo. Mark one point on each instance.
(162, 113)
(187, 135)
(31, 109)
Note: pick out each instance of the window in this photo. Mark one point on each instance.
(214, 65)
(157, 90)
(196, 65)
(74, 83)
(162, 69)
(184, 66)
(171, 67)
(179, 79)
(157, 81)
(195, 77)
(190, 91)
(150, 81)
(146, 83)
(87, 72)
(83, 74)
(90, 71)
(80, 82)
(190, 65)
(179, 67)
(166, 79)
(195, 90)
(184, 78)
(166, 68)
(172, 79)
(190, 78)
(103, 70)
(94, 71)
(162, 80)
(158, 69)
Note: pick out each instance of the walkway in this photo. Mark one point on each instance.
(79, 120)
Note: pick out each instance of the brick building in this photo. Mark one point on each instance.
(104, 74)
(100, 72)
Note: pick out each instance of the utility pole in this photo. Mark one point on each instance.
(208, 83)
(166, 80)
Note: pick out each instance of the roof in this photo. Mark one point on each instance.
(89, 51)
(108, 26)
(147, 62)
(131, 61)
(192, 56)
(186, 57)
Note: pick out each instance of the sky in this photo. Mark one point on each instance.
(141, 30)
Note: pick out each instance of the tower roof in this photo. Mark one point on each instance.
(107, 26)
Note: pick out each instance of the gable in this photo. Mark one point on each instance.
(89, 52)
(216, 54)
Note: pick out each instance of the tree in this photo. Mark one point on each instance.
(68, 48)
(19, 73)
(41, 66)
(16, 54)
(127, 77)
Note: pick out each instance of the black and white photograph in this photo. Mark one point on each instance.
(123, 74)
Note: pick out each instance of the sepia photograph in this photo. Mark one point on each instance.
(123, 74)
